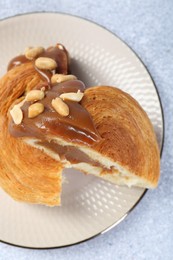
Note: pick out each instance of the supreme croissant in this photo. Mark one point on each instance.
(50, 120)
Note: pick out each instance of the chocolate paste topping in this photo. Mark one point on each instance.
(57, 53)
(77, 127)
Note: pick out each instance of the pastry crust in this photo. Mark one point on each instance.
(128, 150)
(128, 136)
(127, 153)
(26, 173)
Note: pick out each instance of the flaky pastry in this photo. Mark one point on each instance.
(52, 122)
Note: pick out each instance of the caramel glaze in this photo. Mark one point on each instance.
(17, 61)
(77, 127)
(57, 53)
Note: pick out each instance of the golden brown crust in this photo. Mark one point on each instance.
(128, 135)
(26, 173)
(128, 138)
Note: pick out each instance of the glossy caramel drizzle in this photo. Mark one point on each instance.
(77, 127)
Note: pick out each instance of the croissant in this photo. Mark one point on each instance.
(56, 123)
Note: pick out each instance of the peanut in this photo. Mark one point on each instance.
(34, 95)
(16, 114)
(35, 110)
(60, 107)
(33, 52)
(77, 97)
(58, 78)
(45, 63)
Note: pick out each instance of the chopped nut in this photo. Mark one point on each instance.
(32, 53)
(16, 114)
(77, 97)
(58, 78)
(44, 63)
(35, 110)
(60, 107)
(34, 95)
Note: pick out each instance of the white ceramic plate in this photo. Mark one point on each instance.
(90, 206)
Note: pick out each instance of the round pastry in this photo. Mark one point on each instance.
(49, 121)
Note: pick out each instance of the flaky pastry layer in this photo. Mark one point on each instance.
(26, 173)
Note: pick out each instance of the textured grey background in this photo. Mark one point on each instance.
(147, 26)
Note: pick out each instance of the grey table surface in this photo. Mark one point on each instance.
(147, 26)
